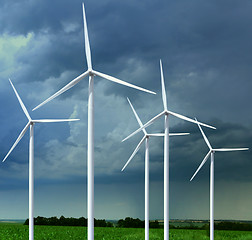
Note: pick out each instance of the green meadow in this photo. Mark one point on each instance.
(19, 231)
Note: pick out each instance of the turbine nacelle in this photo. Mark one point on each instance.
(90, 72)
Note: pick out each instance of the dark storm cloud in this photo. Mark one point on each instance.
(55, 54)
(205, 49)
(211, 41)
(57, 37)
(22, 17)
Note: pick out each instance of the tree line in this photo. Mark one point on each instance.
(225, 225)
(63, 221)
(129, 222)
(239, 226)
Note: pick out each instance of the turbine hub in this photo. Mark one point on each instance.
(90, 72)
(31, 122)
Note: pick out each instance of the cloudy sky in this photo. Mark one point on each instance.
(206, 51)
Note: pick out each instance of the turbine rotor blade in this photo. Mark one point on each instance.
(116, 80)
(68, 86)
(144, 126)
(137, 117)
(20, 101)
(201, 165)
(189, 119)
(163, 87)
(204, 136)
(156, 134)
(170, 134)
(178, 134)
(18, 139)
(135, 152)
(87, 45)
(229, 149)
(54, 120)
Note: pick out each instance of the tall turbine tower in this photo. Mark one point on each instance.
(146, 138)
(90, 151)
(211, 153)
(30, 124)
(166, 113)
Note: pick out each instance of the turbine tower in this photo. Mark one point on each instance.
(166, 113)
(30, 124)
(146, 138)
(90, 151)
(211, 153)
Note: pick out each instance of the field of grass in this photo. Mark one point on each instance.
(19, 231)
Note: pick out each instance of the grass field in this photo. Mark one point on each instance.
(19, 231)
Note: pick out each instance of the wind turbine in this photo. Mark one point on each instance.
(30, 124)
(146, 138)
(211, 153)
(166, 113)
(90, 151)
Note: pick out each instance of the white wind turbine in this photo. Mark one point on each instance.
(211, 152)
(30, 124)
(90, 151)
(166, 113)
(146, 138)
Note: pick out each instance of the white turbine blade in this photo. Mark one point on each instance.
(116, 80)
(201, 165)
(137, 117)
(20, 101)
(178, 134)
(204, 136)
(68, 86)
(144, 126)
(156, 135)
(170, 134)
(229, 149)
(18, 139)
(87, 45)
(134, 153)
(163, 87)
(189, 119)
(54, 120)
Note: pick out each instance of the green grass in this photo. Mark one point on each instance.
(19, 231)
